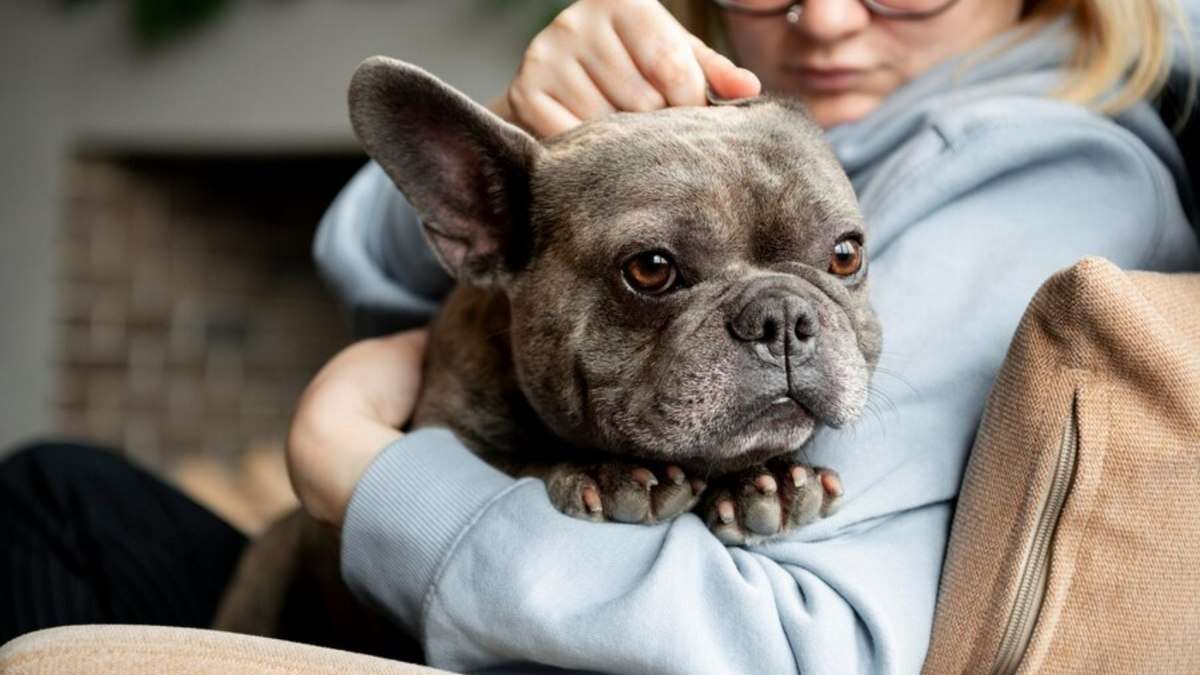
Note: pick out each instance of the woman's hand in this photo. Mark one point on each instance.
(601, 56)
(349, 412)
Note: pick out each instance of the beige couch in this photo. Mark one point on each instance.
(92, 650)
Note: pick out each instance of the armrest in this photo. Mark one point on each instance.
(132, 650)
(1076, 540)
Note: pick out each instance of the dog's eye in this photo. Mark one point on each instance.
(847, 258)
(651, 273)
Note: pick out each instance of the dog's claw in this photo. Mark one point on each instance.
(591, 500)
(725, 512)
(766, 484)
(799, 476)
(831, 483)
(698, 486)
(644, 476)
(676, 475)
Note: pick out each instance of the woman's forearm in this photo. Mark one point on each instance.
(485, 571)
(347, 415)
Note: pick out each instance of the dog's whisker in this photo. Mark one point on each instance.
(878, 396)
(896, 376)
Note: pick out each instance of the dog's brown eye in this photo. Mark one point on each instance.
(651, 273)
(847, 258)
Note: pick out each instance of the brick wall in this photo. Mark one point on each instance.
(190, 315)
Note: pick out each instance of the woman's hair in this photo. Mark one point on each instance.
(1125, 48)
(1123, 55)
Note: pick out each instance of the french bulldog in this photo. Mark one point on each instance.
(654, 310)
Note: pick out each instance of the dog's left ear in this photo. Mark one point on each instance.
(465, 170)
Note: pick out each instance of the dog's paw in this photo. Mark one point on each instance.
(633, 492)
(767, 501)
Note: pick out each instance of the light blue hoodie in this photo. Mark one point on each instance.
(976, 187)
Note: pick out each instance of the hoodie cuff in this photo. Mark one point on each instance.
(406, 514)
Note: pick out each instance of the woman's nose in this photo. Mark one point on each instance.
(829, 20)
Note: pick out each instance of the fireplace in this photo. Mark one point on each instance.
(190, 313)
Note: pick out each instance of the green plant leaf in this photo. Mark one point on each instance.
(158, 21)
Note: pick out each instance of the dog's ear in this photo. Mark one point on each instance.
(465, 170)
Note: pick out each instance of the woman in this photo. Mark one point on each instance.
(990, 142)
(981, 166)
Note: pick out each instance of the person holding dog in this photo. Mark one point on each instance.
(990, 143)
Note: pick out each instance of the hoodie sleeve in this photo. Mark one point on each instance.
(487, 573)
(370, 249)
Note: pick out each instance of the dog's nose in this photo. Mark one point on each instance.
(782, 321)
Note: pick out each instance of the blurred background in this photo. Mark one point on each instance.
(164, 165)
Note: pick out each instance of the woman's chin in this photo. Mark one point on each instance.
(831, 110)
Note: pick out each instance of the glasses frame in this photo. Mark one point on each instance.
(874, 6)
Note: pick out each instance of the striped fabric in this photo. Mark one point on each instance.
(89, 538)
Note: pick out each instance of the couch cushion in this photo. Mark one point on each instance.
(1076, 539)
(131, 650)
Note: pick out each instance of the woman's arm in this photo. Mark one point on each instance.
(370, 249)
(352, 409)
(486, 572)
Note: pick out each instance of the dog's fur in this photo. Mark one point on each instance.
(547, 361)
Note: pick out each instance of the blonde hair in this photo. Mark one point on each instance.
(1125, 48)
(1124, 51)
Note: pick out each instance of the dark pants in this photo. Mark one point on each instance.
(86, 537)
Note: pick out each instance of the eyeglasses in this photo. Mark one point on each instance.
(891, 9)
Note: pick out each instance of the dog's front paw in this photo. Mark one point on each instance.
(759, 504)
(626, 492)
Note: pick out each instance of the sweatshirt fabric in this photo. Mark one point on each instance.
(976, 186)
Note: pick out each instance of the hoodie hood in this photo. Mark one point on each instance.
(1013, 64)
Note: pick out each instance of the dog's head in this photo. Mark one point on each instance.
(687, 285)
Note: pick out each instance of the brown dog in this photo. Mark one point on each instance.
(654, 312)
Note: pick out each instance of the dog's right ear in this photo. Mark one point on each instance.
(465, 170)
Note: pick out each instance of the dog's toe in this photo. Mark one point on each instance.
(628, 504)
(722, 521)
(759, 504)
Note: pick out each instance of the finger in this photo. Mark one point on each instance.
(667, 62)
(500, 106)
(581, 96)
(723, 76)
(541, 113)
(613, 70)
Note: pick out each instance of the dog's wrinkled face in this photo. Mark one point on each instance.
(686, 285)
(693, 292)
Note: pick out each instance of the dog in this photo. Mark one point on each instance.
(654, 312)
